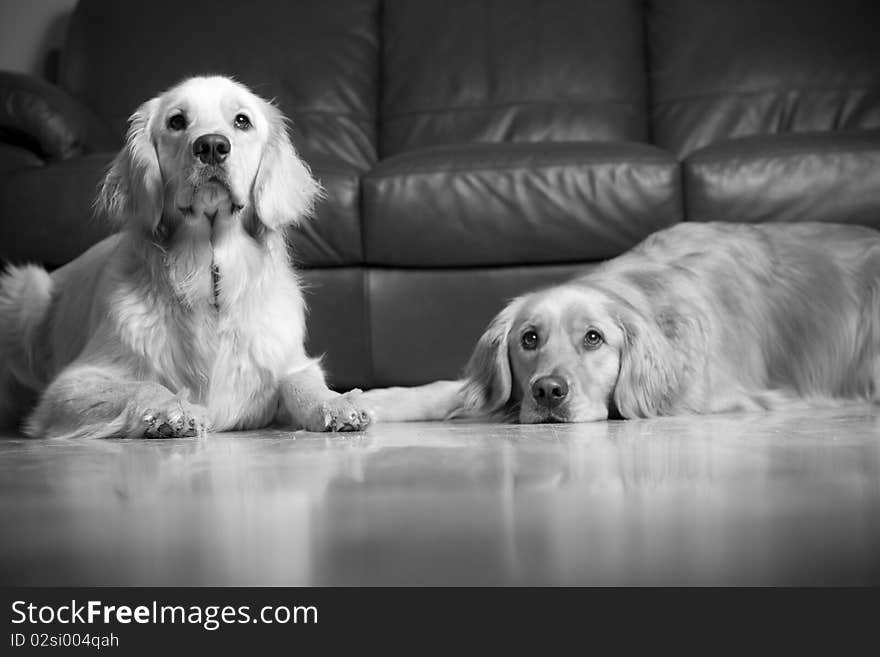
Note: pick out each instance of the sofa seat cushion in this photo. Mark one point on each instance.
(511, 204)
(47, 214)
(803, 177)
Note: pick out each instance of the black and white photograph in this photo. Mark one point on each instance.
(435, 294)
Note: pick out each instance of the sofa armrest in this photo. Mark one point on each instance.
(44, 119)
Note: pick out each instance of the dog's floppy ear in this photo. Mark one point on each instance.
(132, 190)
(658, 364)
(284, 190)
(488, 379)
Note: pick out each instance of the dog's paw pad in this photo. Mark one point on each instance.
(166, 430)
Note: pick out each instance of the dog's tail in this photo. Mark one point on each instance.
(25, 296)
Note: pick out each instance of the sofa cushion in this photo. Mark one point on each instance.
(731, 68)
(803, 177)
(319, 60)
(503, 204)
(47, 215)
(511, 70)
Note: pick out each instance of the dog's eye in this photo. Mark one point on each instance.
(177, 122)
(242, 122)
(529, 340)
(593, 339)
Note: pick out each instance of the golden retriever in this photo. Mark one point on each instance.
(191, 317)
(698, 318)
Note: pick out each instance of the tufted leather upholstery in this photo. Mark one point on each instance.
(471, 149)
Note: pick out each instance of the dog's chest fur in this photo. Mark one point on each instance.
(230, 329)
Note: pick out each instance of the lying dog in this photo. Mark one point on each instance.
(191, 317)
(698, 318)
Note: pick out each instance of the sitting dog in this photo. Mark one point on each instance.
(191, 318)
(698, 318)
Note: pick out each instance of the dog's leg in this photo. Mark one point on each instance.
(101, 402)
(434, 401)
(310, 404)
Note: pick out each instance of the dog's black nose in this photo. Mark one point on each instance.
(211, 149)
(550, 391)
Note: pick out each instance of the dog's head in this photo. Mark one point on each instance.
(207, 145)
(578, 353)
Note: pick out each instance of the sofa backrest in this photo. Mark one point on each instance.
(511, 70)
(731, 68)
(318, 60)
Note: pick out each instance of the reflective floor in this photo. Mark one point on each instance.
(733, 500)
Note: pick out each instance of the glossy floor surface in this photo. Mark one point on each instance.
(743, 500)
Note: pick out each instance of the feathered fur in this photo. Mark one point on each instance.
(191, 317)
(698, 318)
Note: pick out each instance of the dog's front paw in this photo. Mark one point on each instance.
(343, 413)
(177, 419)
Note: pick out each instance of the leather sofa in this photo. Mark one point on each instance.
(471, 149)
